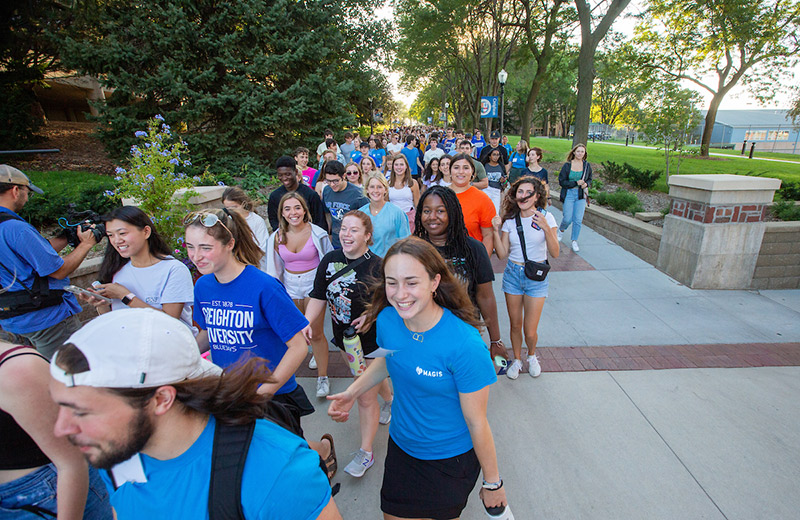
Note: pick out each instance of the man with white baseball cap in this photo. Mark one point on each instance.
(138, 400)
(34, 304)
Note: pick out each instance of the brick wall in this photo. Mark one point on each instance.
(778, 265)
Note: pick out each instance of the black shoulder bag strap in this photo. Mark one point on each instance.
(231, 444)
(521, 234)
(349, 267)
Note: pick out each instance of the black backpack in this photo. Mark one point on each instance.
(231, 444)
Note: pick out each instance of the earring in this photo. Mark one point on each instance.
(434, 294)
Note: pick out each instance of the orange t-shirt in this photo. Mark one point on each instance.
(478, 211)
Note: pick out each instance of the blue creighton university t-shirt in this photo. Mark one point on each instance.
(282, 480)
(253, 313)
(427, 422)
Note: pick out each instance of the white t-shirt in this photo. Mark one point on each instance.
(534, 239)
(167, 281)
(259, 228)
(430, 154)
(394, 148)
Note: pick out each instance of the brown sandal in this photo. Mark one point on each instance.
(330, 463)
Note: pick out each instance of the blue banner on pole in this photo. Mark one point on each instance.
(488, 106)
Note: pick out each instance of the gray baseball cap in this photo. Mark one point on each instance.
(11, 175)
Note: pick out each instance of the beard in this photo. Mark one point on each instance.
(141, 429)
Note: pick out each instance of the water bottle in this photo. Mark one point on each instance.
(354, 352)
(499, 513)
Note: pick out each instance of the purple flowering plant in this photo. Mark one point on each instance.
(154, 173)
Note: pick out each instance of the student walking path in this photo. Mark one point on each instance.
(600, 436)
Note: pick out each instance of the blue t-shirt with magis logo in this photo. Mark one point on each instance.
(428, 376)
(251, 314)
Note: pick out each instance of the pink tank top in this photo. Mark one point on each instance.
(304, 260)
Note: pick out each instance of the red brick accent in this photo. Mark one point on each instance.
(724, 214)
(637, 357)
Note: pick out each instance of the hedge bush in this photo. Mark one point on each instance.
(786, 210)
(620, 200)
(65, 190)
(612, 171)
(789, 190)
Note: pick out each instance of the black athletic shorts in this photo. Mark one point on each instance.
(416, 488)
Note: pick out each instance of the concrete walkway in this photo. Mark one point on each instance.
(717, 443)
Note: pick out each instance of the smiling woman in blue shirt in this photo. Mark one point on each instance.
(439, 438)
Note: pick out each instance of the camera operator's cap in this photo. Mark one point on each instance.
(11, 175)
(494, 135)
(135, 348)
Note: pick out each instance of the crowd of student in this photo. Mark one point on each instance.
(395, 238)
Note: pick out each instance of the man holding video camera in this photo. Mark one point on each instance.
(33, 303)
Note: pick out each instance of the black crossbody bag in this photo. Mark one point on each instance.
(536, 271)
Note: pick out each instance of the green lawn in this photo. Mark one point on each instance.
(555, 150)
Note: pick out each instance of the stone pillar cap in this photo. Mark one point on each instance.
(724, 182)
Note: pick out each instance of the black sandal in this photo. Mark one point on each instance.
(331, 462)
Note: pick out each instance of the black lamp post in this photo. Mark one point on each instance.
(371, 117)
(502, 76)
(446, 106)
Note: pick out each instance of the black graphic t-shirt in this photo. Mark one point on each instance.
(481, 272)
(349, 294)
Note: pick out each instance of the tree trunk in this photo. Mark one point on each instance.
(583, 106)
(708, 127)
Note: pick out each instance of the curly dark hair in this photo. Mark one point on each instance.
(457, 237)
(511, 208)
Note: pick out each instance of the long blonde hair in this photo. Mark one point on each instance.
(393, 177)
(283, 224)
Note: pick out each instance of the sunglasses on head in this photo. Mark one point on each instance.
(207, 219)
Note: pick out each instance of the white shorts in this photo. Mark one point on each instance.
(299, 285)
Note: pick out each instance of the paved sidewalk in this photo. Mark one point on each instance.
(597, 439)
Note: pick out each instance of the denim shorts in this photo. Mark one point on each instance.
(515, 282)
(34, 496)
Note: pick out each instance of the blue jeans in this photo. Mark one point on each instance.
(573, 211)
(34, 496)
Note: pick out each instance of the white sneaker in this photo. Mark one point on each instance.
(360, 464)
(534, 368)
(575, 246)
(386, 413)
(312, 364)
(559, 234)
(513, 369)
(323, 387)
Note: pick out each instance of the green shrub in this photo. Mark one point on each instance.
(64, 190)
(786, 210)
(641, 178)
(612, 171)
(598, 185)
(789, 190)
(620, 200)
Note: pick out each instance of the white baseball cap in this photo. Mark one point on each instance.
(135, 348)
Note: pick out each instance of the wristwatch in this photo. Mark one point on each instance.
(128, 298)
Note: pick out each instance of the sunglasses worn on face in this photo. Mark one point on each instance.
(208, 220)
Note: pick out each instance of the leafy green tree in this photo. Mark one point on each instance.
(458, 45)
(621, 82)
(747, 41)
(28, 51)
(543, 28)
(668, 117)
(594, 28)
(241, 80)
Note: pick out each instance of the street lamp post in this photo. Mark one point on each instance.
(502, 76)
(371, 117)
(446, 106)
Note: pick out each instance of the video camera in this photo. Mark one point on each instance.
(85, 220)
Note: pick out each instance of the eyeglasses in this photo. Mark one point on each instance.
(352, 172)
(207, 219)
(332, 182)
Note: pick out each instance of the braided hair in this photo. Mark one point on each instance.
(457, 245)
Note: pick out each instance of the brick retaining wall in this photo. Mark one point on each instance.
(632, 235)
